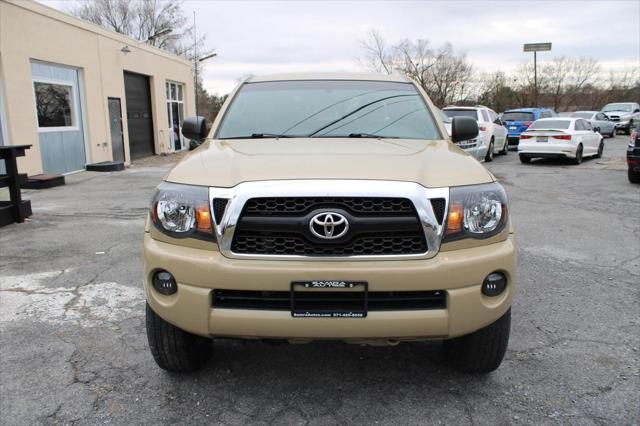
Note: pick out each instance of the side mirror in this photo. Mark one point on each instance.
(463, 129)
(195, 128)
(498, 122)
(636, 110)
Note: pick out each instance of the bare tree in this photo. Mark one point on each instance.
(444, 74)
(141, 19)
(377, 55)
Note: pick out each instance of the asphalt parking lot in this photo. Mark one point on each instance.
(73, 346)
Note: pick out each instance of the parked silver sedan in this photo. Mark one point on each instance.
(599, 122)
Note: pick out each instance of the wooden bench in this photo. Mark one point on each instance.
(17, 209)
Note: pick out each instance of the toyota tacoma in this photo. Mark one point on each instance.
(329, 207)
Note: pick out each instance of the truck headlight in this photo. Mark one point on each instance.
(182, 211)
(476, 211)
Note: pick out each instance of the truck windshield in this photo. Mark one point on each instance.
(328, 108)
(617, 107)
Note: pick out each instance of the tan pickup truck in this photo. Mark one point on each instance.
(329, 207)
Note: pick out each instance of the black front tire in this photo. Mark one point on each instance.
(505, 147)
(627, 131)
(600, 149)
(634, 177)
(524, 159)
(482, 351)
(174, 349)
(578, 158)
(489, 157)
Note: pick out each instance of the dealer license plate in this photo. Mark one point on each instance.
(329, 299)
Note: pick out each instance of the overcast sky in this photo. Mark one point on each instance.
(265, 37)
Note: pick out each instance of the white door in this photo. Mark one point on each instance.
(175, 114)
(56, 91)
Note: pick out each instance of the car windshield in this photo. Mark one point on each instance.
(550, 125)
(328, 108)
(461, 113)
(517, 116)
(586, 115)
(617, 107)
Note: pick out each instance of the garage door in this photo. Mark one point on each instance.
(59, 117)
(139, 121)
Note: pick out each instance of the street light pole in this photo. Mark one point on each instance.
(535, 78)
(535, 48)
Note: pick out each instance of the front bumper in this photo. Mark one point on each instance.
(622, 124)
(460, 273)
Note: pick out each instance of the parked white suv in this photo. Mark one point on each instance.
(492, 138)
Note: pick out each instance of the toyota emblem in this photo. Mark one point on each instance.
(329, 225)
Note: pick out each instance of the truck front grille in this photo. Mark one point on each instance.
(377, 227)
(281, 206)
(329, 300)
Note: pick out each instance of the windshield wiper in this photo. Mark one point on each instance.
(371, 135)
(261, 136)
(356, 135)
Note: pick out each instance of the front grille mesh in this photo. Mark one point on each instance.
(219, 206)
(360, 246)
(356, 205)
(438, 205)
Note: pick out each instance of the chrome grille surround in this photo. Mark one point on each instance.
(418, 194)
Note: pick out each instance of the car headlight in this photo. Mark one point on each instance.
(182, 211)
(476, 211)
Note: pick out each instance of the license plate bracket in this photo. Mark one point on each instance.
(321, 305)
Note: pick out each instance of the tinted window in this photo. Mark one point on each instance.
(462, 113)
(601, 117)
(579, 125)
(517, 116)
(586, 125)
(550, 125)
(53, 103)
(586, 115)
(485, 116)
(329, 108)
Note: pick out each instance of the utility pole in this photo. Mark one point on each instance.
(535, 48)
(195, 60)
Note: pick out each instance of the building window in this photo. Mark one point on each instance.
(54, 104)
(175, 112)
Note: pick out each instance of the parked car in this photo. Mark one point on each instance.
(344, 222)
(633, 155)
(599, 122)
(470, 146)
(625, 114)
(560, 137)
(519, 120)
(492, 138)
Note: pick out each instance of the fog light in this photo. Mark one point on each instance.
(494, 284)
(164, 283)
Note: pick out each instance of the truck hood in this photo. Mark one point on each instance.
(226, 163)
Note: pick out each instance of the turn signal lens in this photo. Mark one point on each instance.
(525, 136)
(454, 221)
(203, 219)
